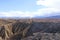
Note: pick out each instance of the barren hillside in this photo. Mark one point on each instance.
(29, 29)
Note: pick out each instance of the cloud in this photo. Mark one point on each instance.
(52, 7)
(49, 3)
(15, 14)
(41, 12)
(18, 14)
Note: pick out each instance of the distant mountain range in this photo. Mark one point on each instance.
(55, 16)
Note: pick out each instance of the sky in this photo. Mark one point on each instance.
(29, 8)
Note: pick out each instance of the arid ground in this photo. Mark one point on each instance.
(30, 29)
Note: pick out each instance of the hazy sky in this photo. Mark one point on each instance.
(29, 8)
(18, 5)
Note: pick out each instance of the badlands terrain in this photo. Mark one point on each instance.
(29, 29)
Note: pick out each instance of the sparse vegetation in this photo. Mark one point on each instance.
(29, 29)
